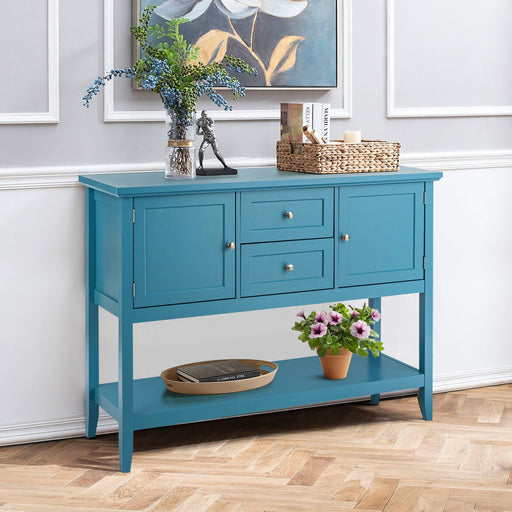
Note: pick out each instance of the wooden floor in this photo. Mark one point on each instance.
(344, 457)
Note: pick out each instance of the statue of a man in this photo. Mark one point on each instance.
(205, 128)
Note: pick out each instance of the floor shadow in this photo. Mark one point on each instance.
(101, 453)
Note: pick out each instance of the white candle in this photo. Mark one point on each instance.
(352, 136)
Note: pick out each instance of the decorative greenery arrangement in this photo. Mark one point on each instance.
(341, 327)
(174, 71)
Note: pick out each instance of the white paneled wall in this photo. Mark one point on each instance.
(460, 72)
(398, 83)
(29, 92)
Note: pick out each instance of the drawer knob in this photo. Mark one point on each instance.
(289, 267)
(345, 237)
(230, 245)
(288, 215)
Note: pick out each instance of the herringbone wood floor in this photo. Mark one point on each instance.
(342, 457)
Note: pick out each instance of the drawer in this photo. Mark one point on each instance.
(282, 267)
(287, 214)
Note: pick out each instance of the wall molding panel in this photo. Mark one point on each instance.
(459, 161)
(110, 114)
(67, 175)
(52, 116)
(452, 111)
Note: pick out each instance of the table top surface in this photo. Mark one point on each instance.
(154, 183)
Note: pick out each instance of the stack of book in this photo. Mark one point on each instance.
(217, 371)
(294, 116)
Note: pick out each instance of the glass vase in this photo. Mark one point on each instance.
(180, 161)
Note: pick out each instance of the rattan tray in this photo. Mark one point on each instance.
(338, 157)
(170, 377)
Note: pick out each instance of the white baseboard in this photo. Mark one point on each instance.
(473, 379)
(52, 430)
(75, 427)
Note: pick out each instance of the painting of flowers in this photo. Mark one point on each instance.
(291, 43)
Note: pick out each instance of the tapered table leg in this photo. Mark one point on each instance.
(91, 326)
(375, 303)
(92, 380)
(125, 394)
(125, 346)
(426, 356)
(426, 310)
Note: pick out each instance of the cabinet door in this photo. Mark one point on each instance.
(180, 249)
(381, 230)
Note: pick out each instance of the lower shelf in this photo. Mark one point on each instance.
(298, 382)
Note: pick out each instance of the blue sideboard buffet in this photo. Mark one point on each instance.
(160, 249)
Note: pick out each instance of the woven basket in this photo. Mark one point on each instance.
(338, 157)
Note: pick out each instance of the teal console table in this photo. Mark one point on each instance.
(159, 249)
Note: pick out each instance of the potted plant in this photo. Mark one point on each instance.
(172, 69)
(337, 334)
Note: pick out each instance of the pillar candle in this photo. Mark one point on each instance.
(352, 136)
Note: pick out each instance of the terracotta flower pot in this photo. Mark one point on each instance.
(336, 367)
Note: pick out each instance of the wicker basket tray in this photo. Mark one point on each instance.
(338, 157)
(172, 382)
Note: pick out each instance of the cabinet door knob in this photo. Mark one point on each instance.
(288, 215)
(289, 267)
(345, 237)
(230, 245)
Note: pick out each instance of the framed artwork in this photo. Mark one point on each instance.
(291, 43)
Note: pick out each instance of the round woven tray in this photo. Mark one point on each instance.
(172, 382)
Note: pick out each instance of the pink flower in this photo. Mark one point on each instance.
(321, 318)
(301, 314)
(375, 314)
(355, 314)
(334, 318)
(360, 330)
(318, 330)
